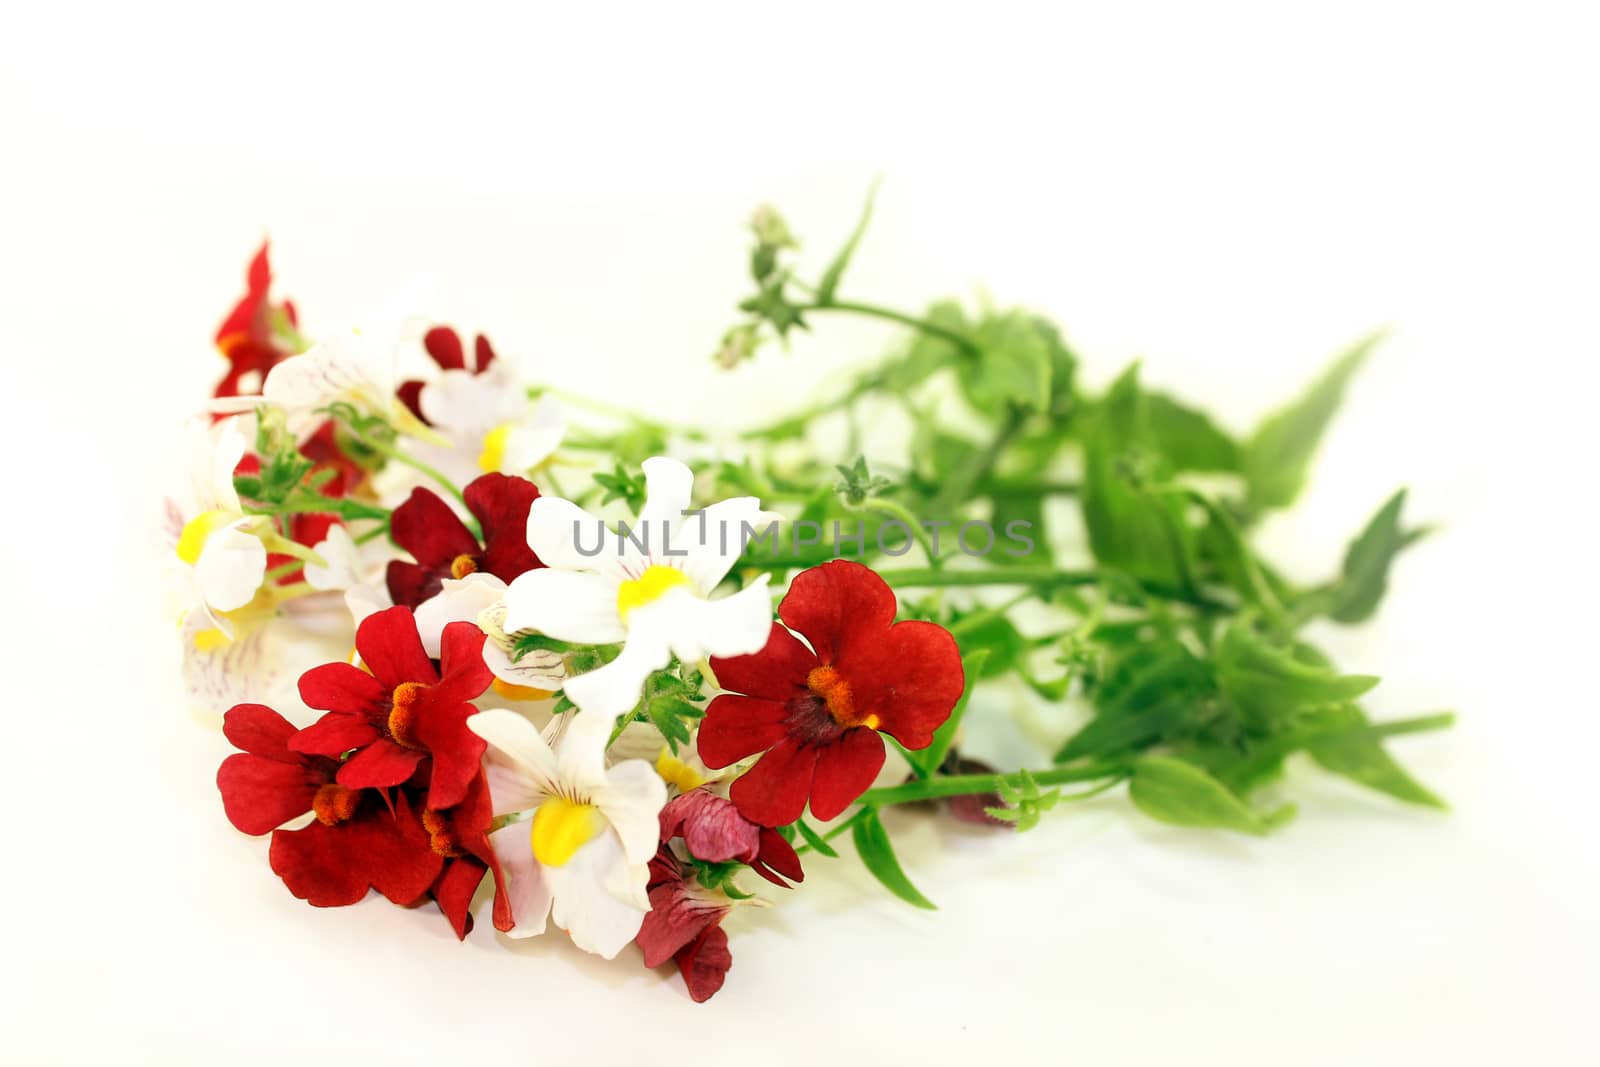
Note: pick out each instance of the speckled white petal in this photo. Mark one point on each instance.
(527, 891)
(535, 670)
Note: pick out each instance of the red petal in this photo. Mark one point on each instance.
(778, 855)
(774, 791)
(674, 920)
(426, 527)
(341, 687)
(845, 770)
(704, 964)
(837, 605)
(456, 750)
(910, 677)
(777, 672)
(334, 734)
(736, 727)
(380, 765)
(501, 502)
(410, 584)
(331, 866)
(260, 731)
(463, 675)
(710, 826)
(483, 352)
(410, 394)
(260, 794)
(444, 345)
(392, 650)
(454, 890)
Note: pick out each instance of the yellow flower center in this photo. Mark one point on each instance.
(656, 581)
(561, 827)
(677, 773)
(195, 532)
(494, 448)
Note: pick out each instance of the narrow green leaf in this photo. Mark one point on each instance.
(815, 840)
(1363, 760)
(830, 278)
(876, 852)
(1172, 791)
(1278, 455)
(1270, 684)
(1356, 596)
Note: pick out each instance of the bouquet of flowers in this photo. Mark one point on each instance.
(612, 670)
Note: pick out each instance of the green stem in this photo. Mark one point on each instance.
(283, 570)
(965, 785)
(932, 329)
(927, 577)
(900, 513)
(837, 830)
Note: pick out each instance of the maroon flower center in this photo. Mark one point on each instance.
(825, 710)
(403, 713)
(334, 804)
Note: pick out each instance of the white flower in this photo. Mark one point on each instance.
(341, 561)
(650, 589)
(223, 561)
(479, 599)
(583, 856)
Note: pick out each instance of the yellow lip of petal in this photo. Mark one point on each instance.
(192, 541)
(521, 692)
(677, 773)
(656, 581)
(494, 448)
(561, 827)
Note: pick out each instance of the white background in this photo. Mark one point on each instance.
(1231, 193)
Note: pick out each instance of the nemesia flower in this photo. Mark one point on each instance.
(224, 561)
(443, 547)
(652, 591)
(684, 923)
(815, 712)
(582, 854)
(247, 337)
(403, 711)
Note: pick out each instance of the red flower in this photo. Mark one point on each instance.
(403, 711)
(444, 346)
(684, 920)
(355, 842)
(361, 838)
(816, 712)
(246, 336)
(443, 546)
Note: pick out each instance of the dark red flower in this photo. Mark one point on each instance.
(246, 336)
(461, 836)
(816, 712)
(355, 843)
(443, 344)
(684, 920)
(403, 711)
(443, 547)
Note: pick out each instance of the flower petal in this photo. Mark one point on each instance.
(501, 504)
(845, 770)
(774, 791)
(675, 919)
(380, 765)
(231, 567)
(526, 891)
(519, 765)
(260, 731)
(910, 676)
(736, 727)
(777, 672)
(715, 538)
(259, 794)
(585, 900)
(567, 605)
(334, 734)
(566, 537)
(615, 688)
(434, 535)
(392, 649)
(631, 800)
(343, 688)
(837, 605)
(704, 963)
(463, 675)
(454, 891)
(456, 601)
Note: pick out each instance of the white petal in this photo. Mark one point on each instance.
(615, 687)
(713, 540)
(695, 628)
(581, 751)
(227, 450)
(231, 567)
(460, 400)
(458, 600)
(529, 446)
(669, 485)
(367, 599)
(567, 605)
(586, 891)
(632, 800)
(519, 766)
(338, 551)
(565, 537)
(535, 670)
(526, 889)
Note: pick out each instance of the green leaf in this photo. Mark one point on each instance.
(1172, 791)
(1356, 596)
(1131, 528)
(814, 839)
(830, 277)
(1278, 455)
(932, 757)
(1187, 438)
(1270, 684)
(1016, 367)
(1363, 760)
(872, 845)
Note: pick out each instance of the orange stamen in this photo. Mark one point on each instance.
(334, 804)
(826, 682)
(402, 713)
(462, 566)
